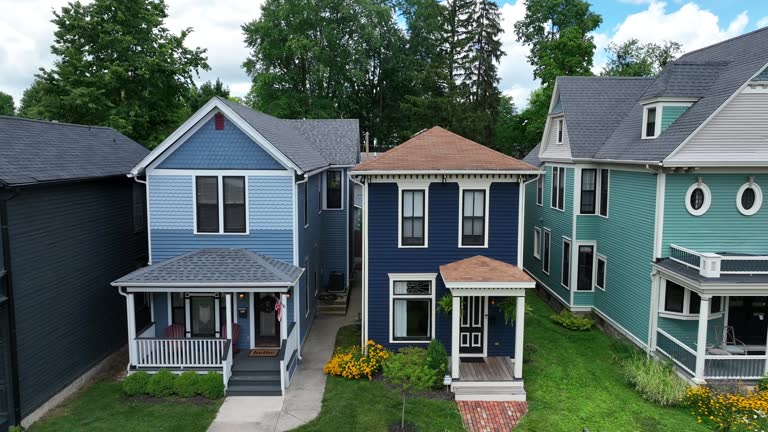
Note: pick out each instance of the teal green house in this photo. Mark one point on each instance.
(649, 213)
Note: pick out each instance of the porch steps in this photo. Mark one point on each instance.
(337, 307)
(247, 381)
(489, 391)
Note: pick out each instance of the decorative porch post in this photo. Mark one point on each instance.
(229, 317)
(519, 332)
(455, 323)
(701, 340)
(131, 308)
(284, 317)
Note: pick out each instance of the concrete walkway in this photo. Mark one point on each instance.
(304, 397)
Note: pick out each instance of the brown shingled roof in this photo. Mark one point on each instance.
(438, 149)
(482, 269)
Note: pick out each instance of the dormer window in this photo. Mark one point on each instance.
(559, 131)
(650, 123)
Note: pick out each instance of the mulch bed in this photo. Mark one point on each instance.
(482, 416)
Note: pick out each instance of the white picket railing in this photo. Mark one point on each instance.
(179, 353)
(734, 366)
(227, 364)
(714, 265)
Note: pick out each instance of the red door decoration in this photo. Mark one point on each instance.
(279, 310)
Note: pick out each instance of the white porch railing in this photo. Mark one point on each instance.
(734, 366)
(680, 353)
(714, 265)
(180, 353)
(226, 365)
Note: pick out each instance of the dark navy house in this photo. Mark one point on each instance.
(442, 220)
(70, 222)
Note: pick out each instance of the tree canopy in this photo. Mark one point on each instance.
(7, 107)
(633, 58)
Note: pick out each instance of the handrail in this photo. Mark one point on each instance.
(181, 339)
(145, 328)
(676, 341)
(227, 345)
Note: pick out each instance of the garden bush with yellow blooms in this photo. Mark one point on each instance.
(349, 362)
(737, 411)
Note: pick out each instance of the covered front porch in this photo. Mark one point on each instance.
(224, 310)
(480, 372)
(710, 315)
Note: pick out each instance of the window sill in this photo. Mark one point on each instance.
(473, 247)
(222, 233)
(555, 208)
(401, 246)
(687, 317)
(333, 209)
(411, 341)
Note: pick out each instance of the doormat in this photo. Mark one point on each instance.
(472, 360)
(263, 352)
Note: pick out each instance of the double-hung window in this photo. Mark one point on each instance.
(220, 204)
(413, 221)
(333, 190)
(683, 303)
(560, 123)
(545, 251)
(412, 309)
(473, 217)
(650, 123)
(565, 278)
(558, 188)
(540, 190)
(584, 280)
(537, 242)
(600, 274)
(594, 191)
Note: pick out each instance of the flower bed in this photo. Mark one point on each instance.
(349, 362)
(738, 410)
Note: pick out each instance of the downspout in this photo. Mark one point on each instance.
(364, 264)
(125, 294)
(296, 310)
(8, 277)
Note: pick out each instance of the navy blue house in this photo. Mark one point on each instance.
(70, 222)
(442, 217)
(249, 219)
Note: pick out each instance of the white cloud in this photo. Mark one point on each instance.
(515, 72)
(762, 22)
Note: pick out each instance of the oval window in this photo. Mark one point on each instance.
(698, 198)
(749, 199)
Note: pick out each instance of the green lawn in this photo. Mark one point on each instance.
(574, 382)
(101, 408)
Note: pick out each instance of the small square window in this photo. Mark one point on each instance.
(600, 273)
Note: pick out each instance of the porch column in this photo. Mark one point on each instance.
(519, 331)
(131, 308)
(284, 317)
(701, 340)
(455, 323)
(229, 316)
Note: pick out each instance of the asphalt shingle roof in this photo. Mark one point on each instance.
(215, 267)
(337, 139)
(34, 151)
(532, 158)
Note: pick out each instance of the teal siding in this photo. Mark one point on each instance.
(669, 114)
(583, 298)
(722, 228)
(625, 238)
(560, 223)
(686, 331)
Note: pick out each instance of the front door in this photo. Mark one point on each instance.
(267, 325)
(203, 316)
(472, 329)
(749, 318)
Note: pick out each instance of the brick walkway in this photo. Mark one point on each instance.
(482, 416)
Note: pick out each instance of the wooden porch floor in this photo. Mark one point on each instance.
(489, 369)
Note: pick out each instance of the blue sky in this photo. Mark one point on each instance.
(28, 33)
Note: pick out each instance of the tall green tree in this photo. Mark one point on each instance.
(633, 58)
(559, 33)
(117, 65)
(199, 96)
(7, 107)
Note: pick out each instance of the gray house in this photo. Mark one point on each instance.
(70, 223)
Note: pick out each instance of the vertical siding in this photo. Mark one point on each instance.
(230, 148)
(385, 257)
(270, 217)
(69, 242)
(561, 225)
(625, 238)
(722, 228)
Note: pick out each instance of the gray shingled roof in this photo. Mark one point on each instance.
(309, 151)
(532, 158)
(215, 268)
(35, 151)
(601, 126)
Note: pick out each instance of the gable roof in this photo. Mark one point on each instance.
(36, 151)
(710, 76)
(331, 142)
(438, 149)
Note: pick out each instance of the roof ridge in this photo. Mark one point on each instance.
(266, 260)
(723, 42)
(56, 122)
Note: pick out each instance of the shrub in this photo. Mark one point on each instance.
(762, 383)
(187, 384)
(135, 384)
(407, 371)
(437, 360)
(349, 362)
(729, 411)
(210, 385)
(161, 384)
(572, 321)
(656, 381)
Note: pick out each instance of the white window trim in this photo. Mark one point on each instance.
(306, 286)
(537, 240)
(686, 314)
(560, 130)
(575, 251)
(657, 119)
(562, 262)
(553, 188)
(306, 204)
(487, 216)
(325, 189)
(540, 183)
(598, 189)
(707, 198)
(758, 198)
(393, 277)
(403, 187)
(602, 258)
(221, 206)
(547, 233)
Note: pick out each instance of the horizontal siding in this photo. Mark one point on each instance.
(334, 238)
(553, 149)
(68, 243)
(309, 237)
(669, 114)
(737, 133)
(385, 257)
(722, 228)
(625, 238)
(686, 331)
(229, 148)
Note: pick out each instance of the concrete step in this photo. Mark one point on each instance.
(254, 390)
(489, 392)
(248, 379)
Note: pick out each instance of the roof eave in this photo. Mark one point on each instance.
(440, 172)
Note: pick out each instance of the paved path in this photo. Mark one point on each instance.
(480, 416)
(302, 401)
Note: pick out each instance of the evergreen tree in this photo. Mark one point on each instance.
(199, 96)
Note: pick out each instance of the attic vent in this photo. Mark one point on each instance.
(218, 120)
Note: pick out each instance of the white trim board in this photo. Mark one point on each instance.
(412, 186)
(398, 277)
(486, 189)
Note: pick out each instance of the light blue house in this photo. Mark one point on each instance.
(249, 218)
